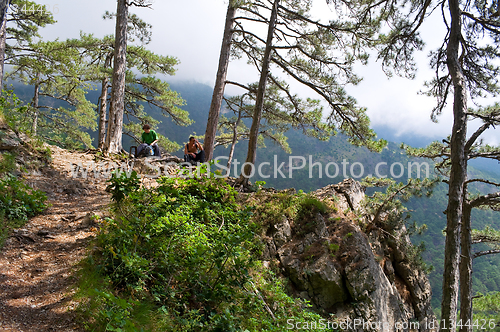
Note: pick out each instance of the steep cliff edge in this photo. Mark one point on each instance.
(342, 271)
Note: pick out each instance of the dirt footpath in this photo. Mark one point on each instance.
(38, 261)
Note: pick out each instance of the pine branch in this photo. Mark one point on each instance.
(484, 253)
(486, 24)
(336, 107)
(475, 136)
(483, 181)
(490, 199)
(239, 85)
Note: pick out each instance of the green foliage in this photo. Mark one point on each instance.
(488, 235)
(270, 209)
(388, 208)
(59, 112)
(313, 205)
(23, 25)
(121, 184)
(18, 202)
(13, 111)
(333, 247)
(147, 98)
(7, 162)
(57, 70)
(300, 209)
(187, 249)
(487, 307)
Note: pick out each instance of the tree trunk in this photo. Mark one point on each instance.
(117, 103)
(235, 140)
(4, 5)
(466, 270)
(34, 104)
(259, 100)
(458, 175)
(220, 83)
(103, 100)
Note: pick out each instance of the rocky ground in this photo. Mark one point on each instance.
(38, 262)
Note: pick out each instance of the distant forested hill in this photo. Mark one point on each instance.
(427, 211)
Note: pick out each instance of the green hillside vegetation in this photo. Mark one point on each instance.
(18, 200)
(183, 257)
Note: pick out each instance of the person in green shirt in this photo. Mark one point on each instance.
(149, 138)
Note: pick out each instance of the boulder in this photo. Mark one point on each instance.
(9, 140)
(348, 194)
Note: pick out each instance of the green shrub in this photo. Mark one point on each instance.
(7, 163)
(306, 221)
(18, 202)
(188, 251)
(121, 184)
(311, 204)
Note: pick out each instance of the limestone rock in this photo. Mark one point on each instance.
(156, 167)
(282, 232)
(353, 191)
(368, 284)
(349, 193)
(326, 283)
(9, 140)
(342, 271)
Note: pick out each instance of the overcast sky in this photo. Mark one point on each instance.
(191, 30)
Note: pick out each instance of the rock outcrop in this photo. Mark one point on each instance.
(26, 156)
(155, 167)
(8, 138)
(357, 277)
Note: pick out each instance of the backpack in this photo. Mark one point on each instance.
(148, 151)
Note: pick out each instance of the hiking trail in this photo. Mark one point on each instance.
(38, 261)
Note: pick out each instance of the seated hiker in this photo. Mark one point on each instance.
(191, 153)
(149, 138)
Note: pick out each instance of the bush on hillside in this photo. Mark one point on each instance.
(182, 257)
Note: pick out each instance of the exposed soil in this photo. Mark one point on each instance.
(38, 262)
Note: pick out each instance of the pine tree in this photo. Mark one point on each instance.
(4, 5)
(58, 99)
(220, 82)
(280, 113)
(117, 104)
(56, 71)
(142, 86)
(21, 26)
(463, 67)
(318, 56)
(474, 148)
